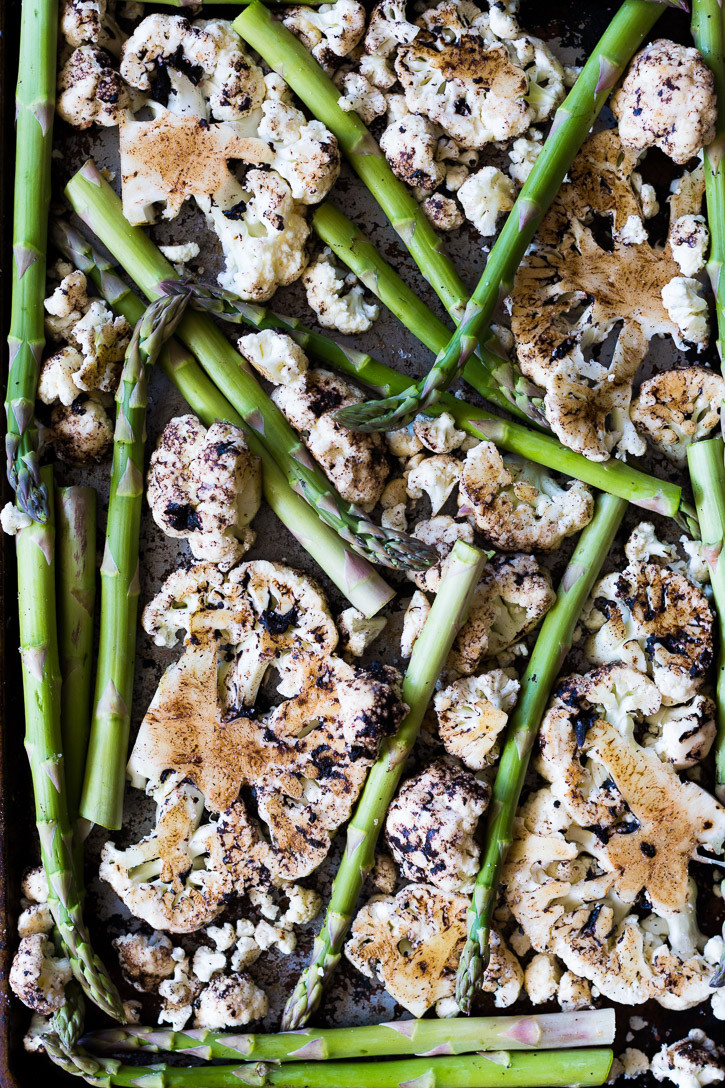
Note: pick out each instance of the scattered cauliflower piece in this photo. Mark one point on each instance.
(435, 477)
(145, 961)
(442, 532)
(205, 486)
(438, 434)
(517, 505)
(358, 631)
(81, 433)
(178, 994)
(306, 154)
(443, 212)
(410, 144)
(12, 519)
(472, 714)
(274, 355)
(90, 90)
(361, 97)
(337, 299)
(304, 906)
(683, 735)
(689, 239)
(690, 1062)
(415, 616)
(403, 443)
(230, 1001)
(37, 976)
(34, 885)
(486, 195)
(268, 936)
(330, 31)
(686, 307)
(66, 306)
(388, 28)
(523, 154)
(36, 918)
(575, 993)
(431, 824)
(207, 962)
(541, 978)
(667, 100)
(180, 254)
(81, 21)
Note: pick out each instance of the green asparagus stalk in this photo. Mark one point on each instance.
(97, 204)
(535, 1069)
(706, 461)
(573, 120)
(354, 576)
(552, 645)
(431, 649)
(708, 30)
(288, 56)
(102, 796)
(34, 108)
(67, 1023)
(401, 1037)
(614, 477)
(75, 518)
(41, 689)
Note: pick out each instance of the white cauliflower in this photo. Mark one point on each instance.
(362, 97)
(486, 195)
(358, 631)
(523, 154)
(230, 1001)
(90, 89)
(441, 532)
(403, 443)
(81, 21)
(667, 100)
(377, 71)
(66, 306)
(678, 407)
(38, 976)
(443, 212)
(80, 433)
(410, 144)
(91, 360)
(337, 299)
(388, 28)
(690, 1062)
(180, 254)
(329, 31)
(686, 307)
(274, 355)
(204, 486)
(575, 993)
(438, 434)
(13, 520)
(353, 461)
(304, 905)
(682, 735)
(431, 824)
(472, 713)
(207, 962)
(435, 477)
(268, 936)
(415, 616)
(36, 918)
(306, 154)
(517, 505)
(178, 993)
(689, 239)
(541, 978)
(145, 961)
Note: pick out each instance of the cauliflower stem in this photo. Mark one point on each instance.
(431, 649)
(706, 461)
(552, 645)
(94, 199)
(572, 123)
(41, 690)
(103, 785)
(34, 103)
(357, 579)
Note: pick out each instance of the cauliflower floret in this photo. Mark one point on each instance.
(514, 594)
(205, 486)
(37, 976)
(689, 239)
(472, 714)
(686, 306)
(523, 154)
(274, 355)
(330, 31)
(180, 254)
(353, 461)
(35, 919)
(145, 961)
(574, 993)
(655, 620)
(207, 962)
(431, 824)
(691, 1062)
(81, 433)
(541, 978)
(643, 546)
(178, 993)
(361, 96)
(394, 501)
(377, 71)
(388, 28)
(263, 241)
(305, 152)
(90, 361)
(438, 434)
(55, 382)
(34, 885)
(410, 144)
(516, 504)
(90, 90)
(339, 301)
(436, 477)
(66, 306)
(412, 943)
(484, 196)
(81, 21)
(246, 950)
(441, 532)
(403, 443)
(415, 616)
(667, 100)
(234, 85)
(230, 1001)
(443, 212)
(683, 735)
(304, 906)
(12, 519)
(358, 631)
(268, 936)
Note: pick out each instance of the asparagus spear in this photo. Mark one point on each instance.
(709, 34)
(573, 120)
(552, 646)
(500, 1068)
(354, 576)
(706, 461)
(34, 107)
(429, 654)
(102, 796)
(41, 688)
(75, 517)
(401, 1037)
(97, 204)
(612, 476)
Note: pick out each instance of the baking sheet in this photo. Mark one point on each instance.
(571, 29)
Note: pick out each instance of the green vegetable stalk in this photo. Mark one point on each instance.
(706, 461)
(354, 576)
(34, 108)
(431, 649)
(102, 796)
(552, 645)
(543, 1031)
(43, 742)
(96, 203)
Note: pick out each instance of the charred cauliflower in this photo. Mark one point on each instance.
(667, 100)
(205, 486)
(677, 407)
(38, 976)
(690, 1062)
(330, 31)
(431, 824)
(337, 298)
(472, 713)
(90, 89)
(80, 433)
(442, 532)
(516, 504)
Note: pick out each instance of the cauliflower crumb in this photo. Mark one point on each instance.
(35, 919)
(180, 254)
(34, 885)
(207, 963)
(13, 520)
(274, 355)
(269, 936)
(523, 154)
(384, 876)
(541, 978)
(687, 308)
(446, 1008)
(486, 195)
(38, 976)
(443, 212)
(222, 936)
(689, 239)
(635, 1063)
(633, 232)
(338, 301)
(403, 443)
(304, 906)
(357, 631)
